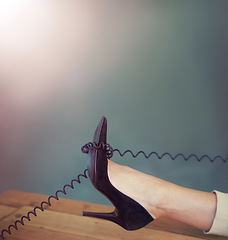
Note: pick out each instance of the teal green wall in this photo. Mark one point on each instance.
(159, 75)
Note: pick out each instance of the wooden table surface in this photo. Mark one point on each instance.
(64, 220)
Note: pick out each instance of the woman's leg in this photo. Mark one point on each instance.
(162, 198)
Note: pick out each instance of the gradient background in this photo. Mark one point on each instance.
(156, 69)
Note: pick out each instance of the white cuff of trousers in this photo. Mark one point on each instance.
(220, 223)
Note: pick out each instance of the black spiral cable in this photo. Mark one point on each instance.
(171, 156)
(89, 146)
(41, 207)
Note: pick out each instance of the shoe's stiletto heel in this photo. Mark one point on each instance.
(113, 216)
(128, 213)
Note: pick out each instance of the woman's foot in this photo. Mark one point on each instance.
(147, 190)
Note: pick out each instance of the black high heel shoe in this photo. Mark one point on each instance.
(128, 213)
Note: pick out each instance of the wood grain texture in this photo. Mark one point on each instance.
(64, 220)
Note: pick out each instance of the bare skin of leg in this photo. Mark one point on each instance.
(162, 198)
